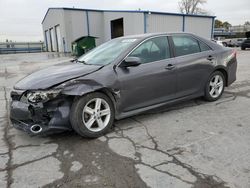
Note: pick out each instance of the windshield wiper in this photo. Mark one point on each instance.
(78, 61)
(81, 62)
(84, 62)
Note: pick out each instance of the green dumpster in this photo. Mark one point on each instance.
(83, 44)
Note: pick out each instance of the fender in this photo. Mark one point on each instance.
(219, 67)
(83, 87)
(79, 88)
(224, 71)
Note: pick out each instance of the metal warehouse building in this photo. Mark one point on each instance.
(61, 26)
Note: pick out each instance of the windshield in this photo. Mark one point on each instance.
(107, 52)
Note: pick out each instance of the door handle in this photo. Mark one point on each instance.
(210, 58)
(170, 67)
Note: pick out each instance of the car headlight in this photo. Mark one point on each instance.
(42, 96)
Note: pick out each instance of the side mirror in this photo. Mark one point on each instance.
(131, 62)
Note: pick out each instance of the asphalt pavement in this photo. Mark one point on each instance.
(192, 144)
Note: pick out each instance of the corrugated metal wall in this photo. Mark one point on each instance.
(55, 17)
(163, 23)
(133, 23)
(76, 23)
(76, 26)
(96, 26)
(199, 25)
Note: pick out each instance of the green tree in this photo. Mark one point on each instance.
(221, 24)
(226, 25)
(218, 24)
(247, 23)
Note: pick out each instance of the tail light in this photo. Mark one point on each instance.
(234, 53)
(231, 55)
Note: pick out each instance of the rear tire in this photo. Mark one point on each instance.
(214, 86)
(242, 48)
(92, 115)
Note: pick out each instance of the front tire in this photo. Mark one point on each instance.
(214, 86)
(92, 115)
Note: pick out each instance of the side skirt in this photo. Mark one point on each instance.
(167, 103)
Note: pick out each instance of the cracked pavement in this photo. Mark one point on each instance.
(191, 144)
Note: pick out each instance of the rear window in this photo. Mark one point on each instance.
(204, 47)
(185, 45)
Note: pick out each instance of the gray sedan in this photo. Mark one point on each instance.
(121, 78)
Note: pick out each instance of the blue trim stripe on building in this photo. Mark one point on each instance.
(145, 22)
(212, 30)
(183, 23)
(87, 19)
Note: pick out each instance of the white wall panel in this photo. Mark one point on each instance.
(199, 26)
(96, 26)
(133, 23)
(54, 17)
(76, 25)
(73, 24)
(164, 23)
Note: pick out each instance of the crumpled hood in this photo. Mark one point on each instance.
(53, 75)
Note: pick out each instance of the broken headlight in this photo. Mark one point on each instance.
(42, 96)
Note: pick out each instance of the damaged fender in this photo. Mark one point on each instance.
(82, 87)
(79, 88)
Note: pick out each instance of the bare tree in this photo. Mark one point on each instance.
(192, 6)
(247, 23)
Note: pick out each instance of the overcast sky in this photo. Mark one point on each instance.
(20, 20)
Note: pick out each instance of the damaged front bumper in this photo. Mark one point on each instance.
(42, 118)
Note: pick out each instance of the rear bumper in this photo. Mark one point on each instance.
(231, 71)
(50, 118)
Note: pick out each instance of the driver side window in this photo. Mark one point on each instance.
(154, 49)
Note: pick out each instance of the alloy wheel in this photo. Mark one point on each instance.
(216, 86)
(96, 114)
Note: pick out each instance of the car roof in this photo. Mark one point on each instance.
(142, 37)
(147, 35)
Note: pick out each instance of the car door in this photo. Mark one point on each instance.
(153, 81)
(194, 63)
(246, 43)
